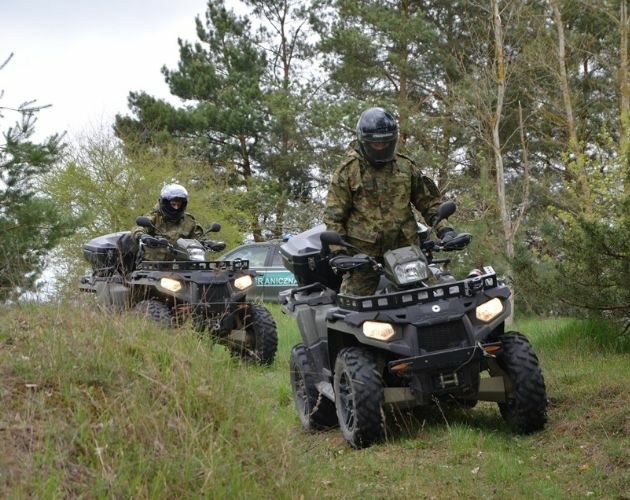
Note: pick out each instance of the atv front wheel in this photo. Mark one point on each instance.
(262, 335)
(316, 411)
(359, 397)
(526, 407)
(158, 312)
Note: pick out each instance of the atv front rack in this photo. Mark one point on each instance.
(463, 288)
(194, 265)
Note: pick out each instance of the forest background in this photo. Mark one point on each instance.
(518, 109)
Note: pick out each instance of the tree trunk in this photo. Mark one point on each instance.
(624, 92)
(403, 92)
(496, 140)
(576, 174)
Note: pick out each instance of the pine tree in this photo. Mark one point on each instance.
(242, 110)
(30, 224)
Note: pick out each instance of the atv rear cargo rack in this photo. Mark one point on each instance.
(463, 288)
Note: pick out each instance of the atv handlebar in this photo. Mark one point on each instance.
(344, 263)
(154, 241)
(213, 246)
(459, 242)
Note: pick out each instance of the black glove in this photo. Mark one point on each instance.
(146, 238)
(446, 234)
(152, 241)
(214, 246)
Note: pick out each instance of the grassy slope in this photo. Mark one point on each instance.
(96, 405)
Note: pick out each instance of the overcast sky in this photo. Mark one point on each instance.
(85, 56)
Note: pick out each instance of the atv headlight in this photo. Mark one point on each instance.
(377, 330)
(196, 254)
(243, 282)
(412, 271)
(171, 284)
(489, 310)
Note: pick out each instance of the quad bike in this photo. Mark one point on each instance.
(212, 294)
(424, 338)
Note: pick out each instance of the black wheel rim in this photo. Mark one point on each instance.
(300, 392)
(347, 401)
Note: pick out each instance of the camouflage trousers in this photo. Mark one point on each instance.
(362, 281)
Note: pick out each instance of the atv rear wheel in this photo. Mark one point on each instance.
(315, 410)
(262, 336)
(158, 312)
(526, 408)
(359, 397)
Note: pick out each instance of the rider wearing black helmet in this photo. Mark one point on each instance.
(170, 218)
(375, 195)
(377, 134)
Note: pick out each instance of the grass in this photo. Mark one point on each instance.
(98, 405)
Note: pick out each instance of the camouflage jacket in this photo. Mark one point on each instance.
(186, 227)
(371, 207)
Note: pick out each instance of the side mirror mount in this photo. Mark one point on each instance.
(423, 232)
(213, 227)
(143, 221)
(445, 210)
(332, 238)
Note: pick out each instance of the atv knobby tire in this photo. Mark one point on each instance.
(158, 312)
(316, 411)
(262, 336)
(526, 408)
(359, 397)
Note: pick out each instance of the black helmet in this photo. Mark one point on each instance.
(376, 125)
(173, 192)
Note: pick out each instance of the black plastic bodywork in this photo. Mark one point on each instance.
(207, 295)
(302, 255)
(438, 346)
(207, 292)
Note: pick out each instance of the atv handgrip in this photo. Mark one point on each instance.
(154, 241)
(345, 263)
(459, 242)
(214, 246)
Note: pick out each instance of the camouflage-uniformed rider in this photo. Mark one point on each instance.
(172, 221)
(373, 195)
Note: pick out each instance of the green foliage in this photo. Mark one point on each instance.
(584, 256)
(31, 225)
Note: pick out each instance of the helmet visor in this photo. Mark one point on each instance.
(379, 153)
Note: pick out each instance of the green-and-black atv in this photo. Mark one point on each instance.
(423, 338)
(212, 294)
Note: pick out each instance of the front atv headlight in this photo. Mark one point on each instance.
(377, 330)
(196, 254)
(170, 284)
(412, 271)
(489, 310)
(243, 282)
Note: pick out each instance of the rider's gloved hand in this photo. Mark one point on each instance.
(446, 234)
(153, 241)
(215, 246)
(147, 239)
